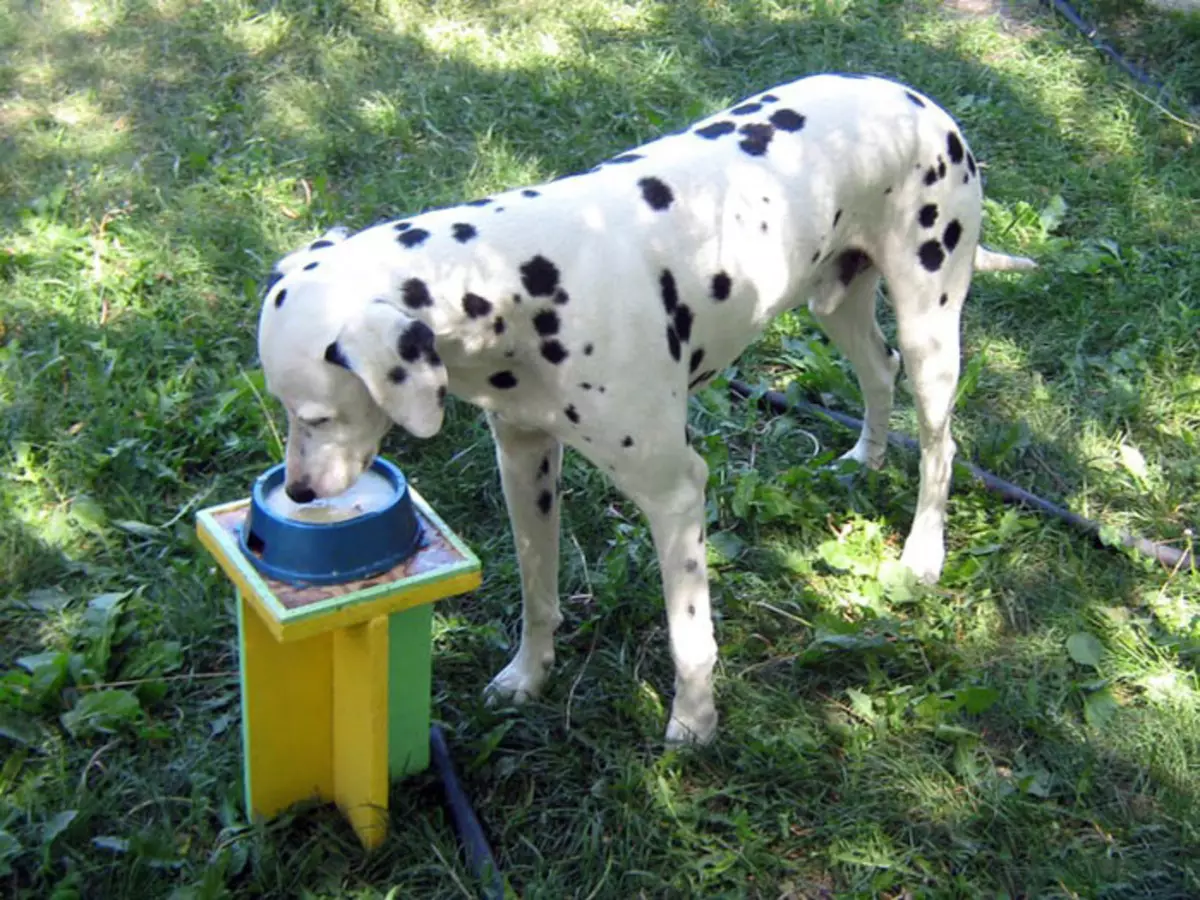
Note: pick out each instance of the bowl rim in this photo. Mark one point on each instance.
(384, 467)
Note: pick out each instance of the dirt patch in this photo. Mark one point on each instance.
(1015, 17)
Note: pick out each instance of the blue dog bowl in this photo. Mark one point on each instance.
(303, 552)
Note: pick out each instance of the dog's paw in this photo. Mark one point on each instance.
(924, 559)
(694, 731)
(519, 681)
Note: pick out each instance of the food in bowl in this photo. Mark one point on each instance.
(371, 493)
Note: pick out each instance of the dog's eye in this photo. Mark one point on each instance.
(315, 423)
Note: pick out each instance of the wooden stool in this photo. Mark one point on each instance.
(335, 679)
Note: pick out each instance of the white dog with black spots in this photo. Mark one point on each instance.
(584, 311)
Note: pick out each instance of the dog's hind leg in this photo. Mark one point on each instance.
(928, 306)
(530, 463)
(668, 486)
(850, 323)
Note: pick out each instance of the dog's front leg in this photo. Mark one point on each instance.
(530, 463)
(669, 489)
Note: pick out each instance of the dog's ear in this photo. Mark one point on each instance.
(394, 356)
(308, 254)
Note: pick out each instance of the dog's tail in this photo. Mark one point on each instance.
(990, 261)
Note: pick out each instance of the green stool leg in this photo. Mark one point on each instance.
(410, 640)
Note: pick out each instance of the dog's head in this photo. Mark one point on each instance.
(346, 362)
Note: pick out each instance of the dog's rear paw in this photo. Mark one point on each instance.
(924, 559)
(693, 731)
(519, 681)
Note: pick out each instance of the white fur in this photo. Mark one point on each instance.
(738, 236)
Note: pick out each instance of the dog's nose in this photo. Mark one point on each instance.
(301, 493)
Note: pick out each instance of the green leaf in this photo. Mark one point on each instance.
(141, 529)
(726, 546)
(977, 699)
(102, 712)
(836, 555)
(1085, 649)
(1099, 707)
(1053, 213)
(57, 824)
(88, 513)
(47, 599)
(99, 624)
(861, 703)
(17, 728)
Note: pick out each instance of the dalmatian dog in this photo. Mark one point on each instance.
(586, 310)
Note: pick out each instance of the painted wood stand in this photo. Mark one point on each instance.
(336, 679)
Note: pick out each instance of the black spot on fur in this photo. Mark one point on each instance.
(837, 217)
(275, 275)
(310, 266)
(850, 263)
(941, 168)
(334, 355)
(554, 352)
(396, 375)
(561, 297)
(656, 193)
(402, 226)
(546, 322)
(540, 276)
(970, 162)
(585, 385)
(416, 293)
(482, 201)
(915, 99)
(954, 147)
(887, 191)
(943, 300)
(280, 297)
(691, 566)
(928, 215)
(441, 396)
(413, 237)
(320, 245)
(475, 307)
(572, 413)
(544, 468)
(746, 109)
(504, 380)
(816, 255)
(952, 234)
(530, 192)
(673, 342)
(931, 176)
(463, 231)
(697, 358)
(701, 378)
(787, 120)
(416, 341)
(670, 296)
(721, 285)
(692, 610)
(756, 138)
(716, 130)
(545, 501)
(627, 441)
(768, 98)
(626, 158)
(931, 255)
(498, 325)
(587, 349)
(683, 322)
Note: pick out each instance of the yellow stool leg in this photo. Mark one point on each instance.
(360, 727)
(287, 705)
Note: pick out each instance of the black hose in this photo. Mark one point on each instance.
(470, 832)
(1069, 13)
(1163, 553)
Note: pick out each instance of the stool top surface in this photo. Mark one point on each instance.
(442, 567)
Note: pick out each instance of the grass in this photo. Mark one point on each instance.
(1029, 728)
